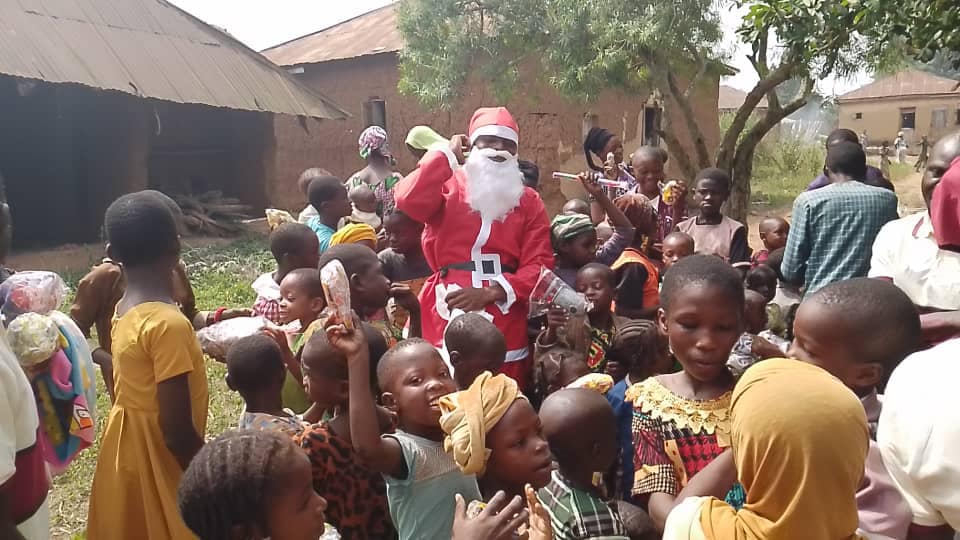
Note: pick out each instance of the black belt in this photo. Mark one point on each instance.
(470, 266)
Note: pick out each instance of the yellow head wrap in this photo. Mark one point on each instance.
(354, 233)
(424, 138)
(799, 440)
(467, 416)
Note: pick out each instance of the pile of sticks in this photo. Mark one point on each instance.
(213, 214)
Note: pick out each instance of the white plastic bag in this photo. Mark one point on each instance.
(216, 340)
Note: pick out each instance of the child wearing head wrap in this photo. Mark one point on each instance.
(483, 424)
(574, 236)
(355, 233)
(378, 174)
(799, 440)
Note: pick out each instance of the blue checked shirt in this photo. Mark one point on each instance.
(831, 237)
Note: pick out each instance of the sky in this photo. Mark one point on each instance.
(261, 24)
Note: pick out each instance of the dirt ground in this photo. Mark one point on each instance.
(908, 190)
(73, 258)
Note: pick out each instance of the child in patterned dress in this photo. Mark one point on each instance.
(681, 420)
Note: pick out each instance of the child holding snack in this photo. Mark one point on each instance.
(702, 314)
(474, 345)
(293, 246)
(421, 478)
(355, 492)
(493, 432)
(593, 335)
(580, 427)
(301, 301)
(255, 370)
(250, 484)
(370, 290)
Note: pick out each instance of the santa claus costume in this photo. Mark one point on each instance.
(482, 227)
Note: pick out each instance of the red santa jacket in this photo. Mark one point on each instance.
(509, 252)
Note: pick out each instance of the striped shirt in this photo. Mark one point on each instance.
(576, 514)
(831, 237)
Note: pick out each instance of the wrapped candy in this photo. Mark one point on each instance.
(599, 382)
(336, 287)
(32, 291)
(275, 218)
(216, 340)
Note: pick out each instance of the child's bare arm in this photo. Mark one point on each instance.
(176, 419)
(617, 217)
(405, 298)
(715, 480)
(382, 453)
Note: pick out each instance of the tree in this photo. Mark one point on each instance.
(590, 45)
(915, 29)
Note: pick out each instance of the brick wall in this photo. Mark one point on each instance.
(551, 127)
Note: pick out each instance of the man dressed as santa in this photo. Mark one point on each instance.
(486, 235)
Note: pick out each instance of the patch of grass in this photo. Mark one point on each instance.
(221, 276)
(783, 168)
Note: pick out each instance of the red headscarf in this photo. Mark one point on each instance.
(945, 209)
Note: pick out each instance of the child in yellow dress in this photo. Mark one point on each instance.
(159, 415)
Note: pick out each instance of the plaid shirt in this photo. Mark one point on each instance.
(576, 514)
(831, 238)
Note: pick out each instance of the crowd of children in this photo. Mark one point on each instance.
(701, 395)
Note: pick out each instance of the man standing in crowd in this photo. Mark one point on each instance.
(486, 235)
(833, 228)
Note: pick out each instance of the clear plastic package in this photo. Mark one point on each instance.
(552, 291)
(31, 292)
(275, 218)
(216, 340)
(336, 287)
(33, 338)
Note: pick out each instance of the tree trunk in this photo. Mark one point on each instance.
(738, 205)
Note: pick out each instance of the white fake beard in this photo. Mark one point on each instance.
(493, 188)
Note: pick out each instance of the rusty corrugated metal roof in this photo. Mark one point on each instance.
(731, 99)
(909, 82)
(148, 48)
(374, 32)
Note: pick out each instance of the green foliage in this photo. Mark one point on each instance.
(915, 28)
(816, 34)
(585, 45)
(782, 168)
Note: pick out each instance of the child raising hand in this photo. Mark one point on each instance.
(422, 480)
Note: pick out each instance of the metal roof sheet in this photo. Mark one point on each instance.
(148, 48)
(374, 32)
(909, 82)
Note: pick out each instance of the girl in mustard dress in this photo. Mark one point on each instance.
(159, 416)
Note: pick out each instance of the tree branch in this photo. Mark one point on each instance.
(728, 144)
(678, 153)
(773, 117)
(696, 135)
(701, 71)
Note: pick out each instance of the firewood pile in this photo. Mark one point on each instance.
(212, 214)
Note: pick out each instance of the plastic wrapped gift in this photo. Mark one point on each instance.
(34, 338)
(551, 291)
(216, 340)
(31, 292)
(336, 287)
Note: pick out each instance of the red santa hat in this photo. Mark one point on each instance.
(495, 121)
